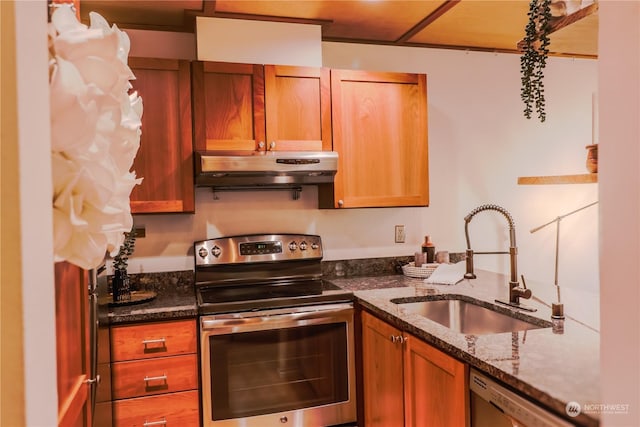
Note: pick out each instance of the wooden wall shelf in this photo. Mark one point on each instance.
(586, 178)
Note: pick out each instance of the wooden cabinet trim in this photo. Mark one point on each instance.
(165, 206)
(376, 76)
(298, 71)
(155, 63)
(227, 67)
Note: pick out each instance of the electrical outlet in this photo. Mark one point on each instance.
(399, 233)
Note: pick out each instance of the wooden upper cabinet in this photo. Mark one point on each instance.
(165, 157)
(228, 106)
(298, 108)
(380, 133)
(256, 107)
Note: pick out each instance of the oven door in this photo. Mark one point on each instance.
(291, 367)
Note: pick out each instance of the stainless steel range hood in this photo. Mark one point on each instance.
(264, 169)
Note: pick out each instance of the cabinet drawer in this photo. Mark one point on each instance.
(165, 410)
(153, 340)
(154, 376)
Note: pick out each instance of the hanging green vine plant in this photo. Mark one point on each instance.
(534, 58)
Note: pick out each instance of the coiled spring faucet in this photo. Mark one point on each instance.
(515, 291)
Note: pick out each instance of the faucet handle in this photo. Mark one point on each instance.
(469, 260)
(523, 293)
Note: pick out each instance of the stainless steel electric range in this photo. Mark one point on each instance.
(276, 339)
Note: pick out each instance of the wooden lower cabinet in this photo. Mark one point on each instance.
(173, 409)
(382, 373)
(155, 374)
(407, 382)
(72, 345)
(435, 387)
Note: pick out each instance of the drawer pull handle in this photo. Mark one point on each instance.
(158, 378)
(155, 345)
(155, 341)
(162, 422)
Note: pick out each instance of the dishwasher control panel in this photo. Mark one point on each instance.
(504, 403)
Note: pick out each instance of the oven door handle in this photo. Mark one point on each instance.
(272, 319)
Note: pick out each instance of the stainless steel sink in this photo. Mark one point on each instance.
(463, 315)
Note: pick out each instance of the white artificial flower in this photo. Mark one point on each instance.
(74, 109)
(95, 137)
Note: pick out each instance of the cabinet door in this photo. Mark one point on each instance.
(72, 345)
(436, 387)
(382, 373)
(380, 132)
(297, 108)
(165, 157)
(228, 104)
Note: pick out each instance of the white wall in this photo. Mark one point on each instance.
(36, 225)
(479, 143)
(619, 82)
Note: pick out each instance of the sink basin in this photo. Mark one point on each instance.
(463, 315)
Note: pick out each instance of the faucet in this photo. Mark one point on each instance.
(515, 291)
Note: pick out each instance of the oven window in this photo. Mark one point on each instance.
(262, 372)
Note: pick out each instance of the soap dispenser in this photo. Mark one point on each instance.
(430, 249)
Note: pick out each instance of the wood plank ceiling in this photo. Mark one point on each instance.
(484, 25)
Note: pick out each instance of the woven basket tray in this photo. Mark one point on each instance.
(422, 272)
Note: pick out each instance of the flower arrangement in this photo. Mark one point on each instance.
(534, 58)
(95, 136)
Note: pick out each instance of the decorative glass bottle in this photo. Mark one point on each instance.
(430, 249)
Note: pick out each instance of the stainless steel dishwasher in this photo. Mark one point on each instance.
(493, 405)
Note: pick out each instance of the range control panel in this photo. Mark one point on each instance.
(257, 248)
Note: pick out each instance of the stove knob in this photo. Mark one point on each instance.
(216, 251)
(314, 246)
(203, 252)
(303, 246)
(293, 246)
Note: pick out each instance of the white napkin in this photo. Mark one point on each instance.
(447, 274)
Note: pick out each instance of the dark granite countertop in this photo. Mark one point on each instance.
(550, 368)
(175, 299)
(163, 307)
